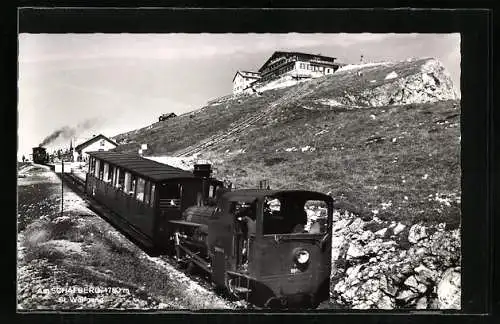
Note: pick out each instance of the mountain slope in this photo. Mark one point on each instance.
(381, 138)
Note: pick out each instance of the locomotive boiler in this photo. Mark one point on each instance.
(261, 244)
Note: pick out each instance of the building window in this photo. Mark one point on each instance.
(102, 142)
(327, 70)
(301, 65)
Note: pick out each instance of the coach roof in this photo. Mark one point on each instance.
(143, 167)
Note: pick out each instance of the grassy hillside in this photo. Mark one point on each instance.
(188, 129)
(404, 157)
(397, 162)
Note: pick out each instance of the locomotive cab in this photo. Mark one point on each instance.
(273, 246)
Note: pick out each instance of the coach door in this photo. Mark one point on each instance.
(169, 200)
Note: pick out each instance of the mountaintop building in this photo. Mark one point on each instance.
(301, 65)
(287, 65)
(243, 79)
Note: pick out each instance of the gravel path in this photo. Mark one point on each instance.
(79, 261)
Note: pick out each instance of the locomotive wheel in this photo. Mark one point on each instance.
(273, 303)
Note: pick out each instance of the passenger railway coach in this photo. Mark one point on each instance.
(145, 193)
(272, 247)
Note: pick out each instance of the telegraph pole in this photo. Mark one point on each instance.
(62, 186)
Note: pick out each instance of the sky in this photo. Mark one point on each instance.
(97, 83)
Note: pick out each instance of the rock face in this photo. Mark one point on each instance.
(377, 272)
(448, 290)
(399, 84)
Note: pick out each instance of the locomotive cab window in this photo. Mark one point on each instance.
(245, 217)
(294, 216)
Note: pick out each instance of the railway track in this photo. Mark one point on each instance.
(241, 126)
(78, 186)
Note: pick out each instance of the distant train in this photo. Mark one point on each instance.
(272, 247)
(40, 155)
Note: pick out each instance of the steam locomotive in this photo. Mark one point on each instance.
(271, 247)
(40, 155)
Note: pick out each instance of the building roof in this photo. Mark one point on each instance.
(143, 167)
(304, 55)
(247, 74)
(93, 140)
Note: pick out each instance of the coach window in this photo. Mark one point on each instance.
(121, 179)
(128, 182)
(96, 168)
(111, 172)
(152, 200)
(92, 165)
(105, 172)
(140, 189)
(101, 170)
(147, 190)
(133, 185)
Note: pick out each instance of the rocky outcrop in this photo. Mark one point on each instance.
(398, 84)
(385, 265)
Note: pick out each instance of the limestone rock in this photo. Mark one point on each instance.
(385, 302)
(362, 305)
(366, 236)
(356, 225)
(398, 228)
(422, 303)
(354, 251)
(449, 290)
(411, 282)
(406, 295)
(381, 233)
(417, 232)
